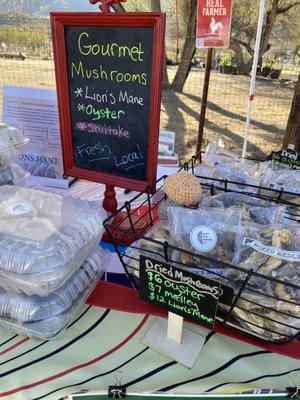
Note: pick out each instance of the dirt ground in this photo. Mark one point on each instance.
(226, 112)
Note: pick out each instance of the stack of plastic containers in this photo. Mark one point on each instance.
(11, 143)
(49, 258)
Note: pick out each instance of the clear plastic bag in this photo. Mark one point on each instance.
(224, 165)
(11, 143)
(38, 162)
(267, 317)
(256, 210)
(44, 238)
(13, 175)
(270, 308)
(207, 231)
(280, 178)
(270, 303)
(44, 317)
(272, 251)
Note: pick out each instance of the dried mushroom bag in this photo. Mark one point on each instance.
(272, 251)
(230, 167)
(256, 210)
(159, 232)
(269, 307)
(285, 179)
(267, 319)
(207, 231)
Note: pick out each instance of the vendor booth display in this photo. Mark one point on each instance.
(237, 232)
(11, 143)
(214, 246)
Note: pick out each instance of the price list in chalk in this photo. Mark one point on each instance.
(179, 291)
(109, 74)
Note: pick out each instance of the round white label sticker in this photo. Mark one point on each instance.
(18, 209)
(203, 238)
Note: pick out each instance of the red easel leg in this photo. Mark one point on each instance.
(110, 203)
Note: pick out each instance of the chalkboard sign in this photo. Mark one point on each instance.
(109, 75)
(288, 157)
(179, 291)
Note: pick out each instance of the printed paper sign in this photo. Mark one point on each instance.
(287, 255)
(34, 111)
(213, 23)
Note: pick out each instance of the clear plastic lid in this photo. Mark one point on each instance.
(45, 282)
(24, 308)
(42, 236)
(44, 317)
(11, 142)
(13, 175)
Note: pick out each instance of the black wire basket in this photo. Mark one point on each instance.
(273, 317)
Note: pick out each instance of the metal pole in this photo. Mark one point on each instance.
(204, 98)
(177, 30)
(253, 73)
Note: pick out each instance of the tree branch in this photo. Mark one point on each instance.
(282, 10)
(118, 7)
(244, 44)
(155, 5)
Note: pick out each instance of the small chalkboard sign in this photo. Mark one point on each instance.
(109, 76)
(179, 291)
(288, 157)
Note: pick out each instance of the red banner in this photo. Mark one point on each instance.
(213, 23)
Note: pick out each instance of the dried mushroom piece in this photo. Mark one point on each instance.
(268, 322)
(160, 233)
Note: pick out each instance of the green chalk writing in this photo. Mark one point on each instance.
(79, 70)
(86, 48)
(101, 113)
(180, 298)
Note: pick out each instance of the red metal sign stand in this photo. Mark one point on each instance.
(105, 4)
(110, 203)
(59, 22)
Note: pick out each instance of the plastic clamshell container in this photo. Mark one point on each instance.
(44, 317)
(11, 143)
(13, 175)
(44, 238)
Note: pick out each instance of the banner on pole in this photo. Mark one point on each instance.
(213, 23)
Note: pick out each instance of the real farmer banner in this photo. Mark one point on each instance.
(213, 23)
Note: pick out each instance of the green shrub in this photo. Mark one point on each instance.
(24, 36)
(227, 58)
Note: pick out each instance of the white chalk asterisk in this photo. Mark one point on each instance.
(78, 92)
(80, 107)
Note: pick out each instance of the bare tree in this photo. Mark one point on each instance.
(156, 7)
(188, 50)
(244, 28)
(292, 134)
(118, 7)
